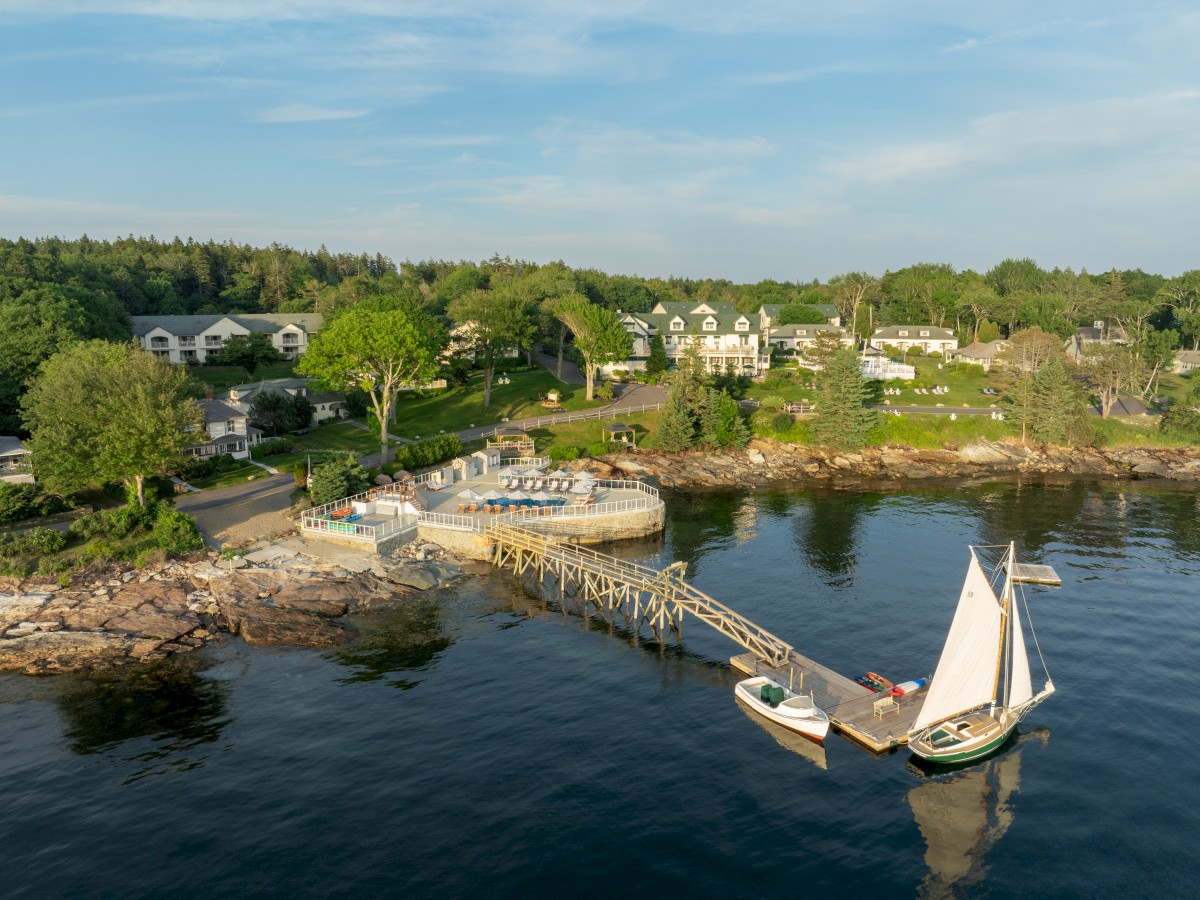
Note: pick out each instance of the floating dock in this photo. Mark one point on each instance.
(851, 707)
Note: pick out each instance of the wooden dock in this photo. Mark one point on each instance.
(658, 598)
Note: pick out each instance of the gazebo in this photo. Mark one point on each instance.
(511, 441)
(610, 432)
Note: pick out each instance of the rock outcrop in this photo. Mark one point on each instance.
(276, 594)
(766, 462)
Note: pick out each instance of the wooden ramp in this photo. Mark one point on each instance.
(658, 598)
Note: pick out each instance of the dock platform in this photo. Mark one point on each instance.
(850, 706)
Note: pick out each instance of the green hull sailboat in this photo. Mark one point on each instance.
(982, 686)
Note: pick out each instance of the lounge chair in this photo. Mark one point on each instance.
(462, 507)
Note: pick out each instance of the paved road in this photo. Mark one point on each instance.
(241, 512)
(570, 371)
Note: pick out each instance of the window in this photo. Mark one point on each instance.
(187, 340)
(710, 325)
(803, 332)
(903, 334)
(677, 325)
(157, 343)
(213, 341)
(741, 325)
(292, 339)
(744, 340)
(924, 334)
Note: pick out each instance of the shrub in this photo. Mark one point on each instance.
(113, 523)
(773, 402)
(604, 390)
(563, 453)
(599, 448)
(300, 474)
(272, 446)
(36, 542)
(200, 467)
(175, 531)
(428, 452)
(27, 501)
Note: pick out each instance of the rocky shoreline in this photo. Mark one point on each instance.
(765, 463)
(289, 592)
(278, 595)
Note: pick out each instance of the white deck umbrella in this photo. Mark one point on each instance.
(581, 488)
(518, 495)
(561, 473)
(540, 495)
(469, 494)
(492, 495)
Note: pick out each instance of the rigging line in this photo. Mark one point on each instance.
(1033, 631)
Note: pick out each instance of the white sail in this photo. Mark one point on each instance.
(1020, 685)
(966, 673)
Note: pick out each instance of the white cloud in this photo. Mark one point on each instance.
(301, 112)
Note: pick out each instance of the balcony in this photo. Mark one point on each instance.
(214, 343)
(159, 343)
(187, 341)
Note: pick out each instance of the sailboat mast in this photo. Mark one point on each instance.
(1006, 599)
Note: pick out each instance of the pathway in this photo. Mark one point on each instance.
(570, 371)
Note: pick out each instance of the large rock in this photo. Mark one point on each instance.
(44, 652)
(421, 578)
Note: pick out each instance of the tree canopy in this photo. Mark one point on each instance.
(377, 350)
(100, 412)
(250, 351)
(599, 336)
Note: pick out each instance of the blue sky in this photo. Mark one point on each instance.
(741, 140)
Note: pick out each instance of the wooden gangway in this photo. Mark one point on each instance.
(642, 595)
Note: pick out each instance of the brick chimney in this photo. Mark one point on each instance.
(208, 394)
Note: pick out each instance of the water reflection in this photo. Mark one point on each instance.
(962, 815)
(406, 639)
(789, 740)
(702, 523)
(828, 532)
(171, 703)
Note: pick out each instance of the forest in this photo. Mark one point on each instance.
(54, 291)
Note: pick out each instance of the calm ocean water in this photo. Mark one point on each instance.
(485, 743)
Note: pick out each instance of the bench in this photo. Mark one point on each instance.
(885, 705)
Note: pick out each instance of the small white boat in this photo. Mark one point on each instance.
(775, 703)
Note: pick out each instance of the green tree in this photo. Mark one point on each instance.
(1026, 352)
(378, 351)
(599, 336)
(676, 427)
(657, 361)
(339, 478)
(825, 345)
(101, 412)
(843, 420)
(490, 324)
(801, 314)
(1060, 406)
(278, 413)
(720, 421)
(250, 351)
(1111, 368)
(1181, 418)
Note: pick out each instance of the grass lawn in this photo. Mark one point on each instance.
(1135, 431)
(1175, 387)
(966, 388)
(462, 407)
(934, 432)
(581, 434)
(338, 436)
(233, 476)
(227, 376)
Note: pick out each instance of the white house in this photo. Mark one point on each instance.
(229, 431)
(14, 461)
(1098, 333)
(801, 337)
(926, 338)
(190, 339)
(768, 315)
(724, 337)
(1185, 361)
(326, 404)
(986, 354)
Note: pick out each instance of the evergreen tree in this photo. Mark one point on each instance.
(1060, 406)
(657, 362)
(842, 421)
(676, 426)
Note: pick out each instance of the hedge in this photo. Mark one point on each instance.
(427, 453)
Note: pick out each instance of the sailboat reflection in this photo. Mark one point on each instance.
(798, 744)
(963, 814)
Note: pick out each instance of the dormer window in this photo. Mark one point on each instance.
(710, 324)
(803, 332)
(903, 334)
(924, 334)
(677, 324)
(741, 325)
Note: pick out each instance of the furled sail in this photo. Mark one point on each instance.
(1020, 685)
(965, 674)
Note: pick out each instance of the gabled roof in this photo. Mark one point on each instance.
(266, 323)
(219, 411)
(661, 322)
(695, 307)
(986, 350)
(11, 446)
(893, 331)
(804, 330)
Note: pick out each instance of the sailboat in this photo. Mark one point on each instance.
(982, 685)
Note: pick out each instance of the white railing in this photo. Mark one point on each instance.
(448, 520)
(533, 462)
(563, 418)
(318, 521)
(619, 485)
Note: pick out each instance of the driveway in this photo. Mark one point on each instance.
(241, 512)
